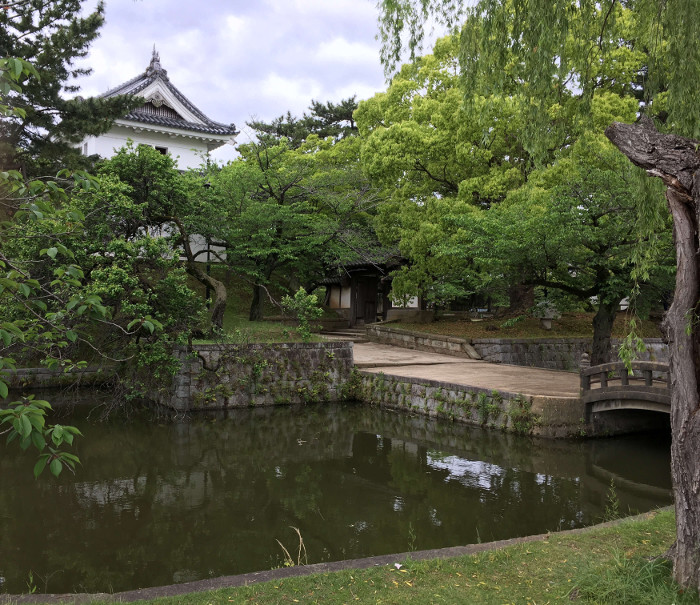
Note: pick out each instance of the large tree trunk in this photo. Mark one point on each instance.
(256, 305)
(520, 297)
(218, 307)
(676, 161)
(602, 331)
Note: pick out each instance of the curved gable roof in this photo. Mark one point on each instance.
(155, 86)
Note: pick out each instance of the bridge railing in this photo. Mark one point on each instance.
(649, 381)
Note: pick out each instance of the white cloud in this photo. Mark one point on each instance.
(340, 51)
(238, 59)
(295, 94)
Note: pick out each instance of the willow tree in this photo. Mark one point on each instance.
(558, 45)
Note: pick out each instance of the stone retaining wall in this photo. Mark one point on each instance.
(554, 353)
(420, 341)
(24, 379)
(223, 376)
(549, 353)
(511, 412)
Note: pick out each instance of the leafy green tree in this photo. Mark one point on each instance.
(51, 35)
(324, 119)
(435, 159)
(548, 61)
(143, 240)
(290, 213)
(41, 316)
(574, 228)
(305, 308)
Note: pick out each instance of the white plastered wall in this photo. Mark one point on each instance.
(187, 152)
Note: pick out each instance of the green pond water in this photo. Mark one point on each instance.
(163, 501)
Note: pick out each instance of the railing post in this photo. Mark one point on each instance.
(624, 376)
(585, 382)
(585, 361)
(584, 364)
(648, 378)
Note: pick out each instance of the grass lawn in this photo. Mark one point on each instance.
(570, 325)
(605, 565)
(237, 328)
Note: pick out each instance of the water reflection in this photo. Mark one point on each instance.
(159, 503)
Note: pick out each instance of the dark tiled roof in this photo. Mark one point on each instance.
(388, 258)
(210, 128)
(156, 72)
(382, 260)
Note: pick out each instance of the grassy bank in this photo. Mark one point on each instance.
(569, 325)
(612, 564)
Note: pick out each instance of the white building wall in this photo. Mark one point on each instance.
(339, 297)
(188, 153)
(345, 298)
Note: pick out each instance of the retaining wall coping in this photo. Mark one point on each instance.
(572, 340)
(50, 372)
(509, 341)
(267, 346)
(426, 335)
(530, 341)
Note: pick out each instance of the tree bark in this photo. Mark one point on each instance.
(602, 331)
(520, 297)
(676, 161)
(218, 307)
(256, 306)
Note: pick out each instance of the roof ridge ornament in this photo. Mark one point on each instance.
(154, 69)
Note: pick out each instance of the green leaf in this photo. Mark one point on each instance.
(52, 252)
(38, 441)
(37, 420)
(40, 465)
(57, 434)
(12, 327)
(70, 459)
(72, 336)
(16, 67)
(25, 426)
(3, 389)
(56, 467)
(71, 303)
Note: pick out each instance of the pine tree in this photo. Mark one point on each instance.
(51, 35)
(324, 119)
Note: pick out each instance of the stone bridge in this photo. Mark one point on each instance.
(612, 386)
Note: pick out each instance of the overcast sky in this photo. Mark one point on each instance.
(237, 59)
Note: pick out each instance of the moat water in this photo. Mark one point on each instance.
(167, 501)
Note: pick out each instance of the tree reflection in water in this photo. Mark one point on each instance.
(156, 503)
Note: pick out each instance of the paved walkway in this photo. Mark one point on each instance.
(397, 361)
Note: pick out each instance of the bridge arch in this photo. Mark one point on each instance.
(644, 386)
